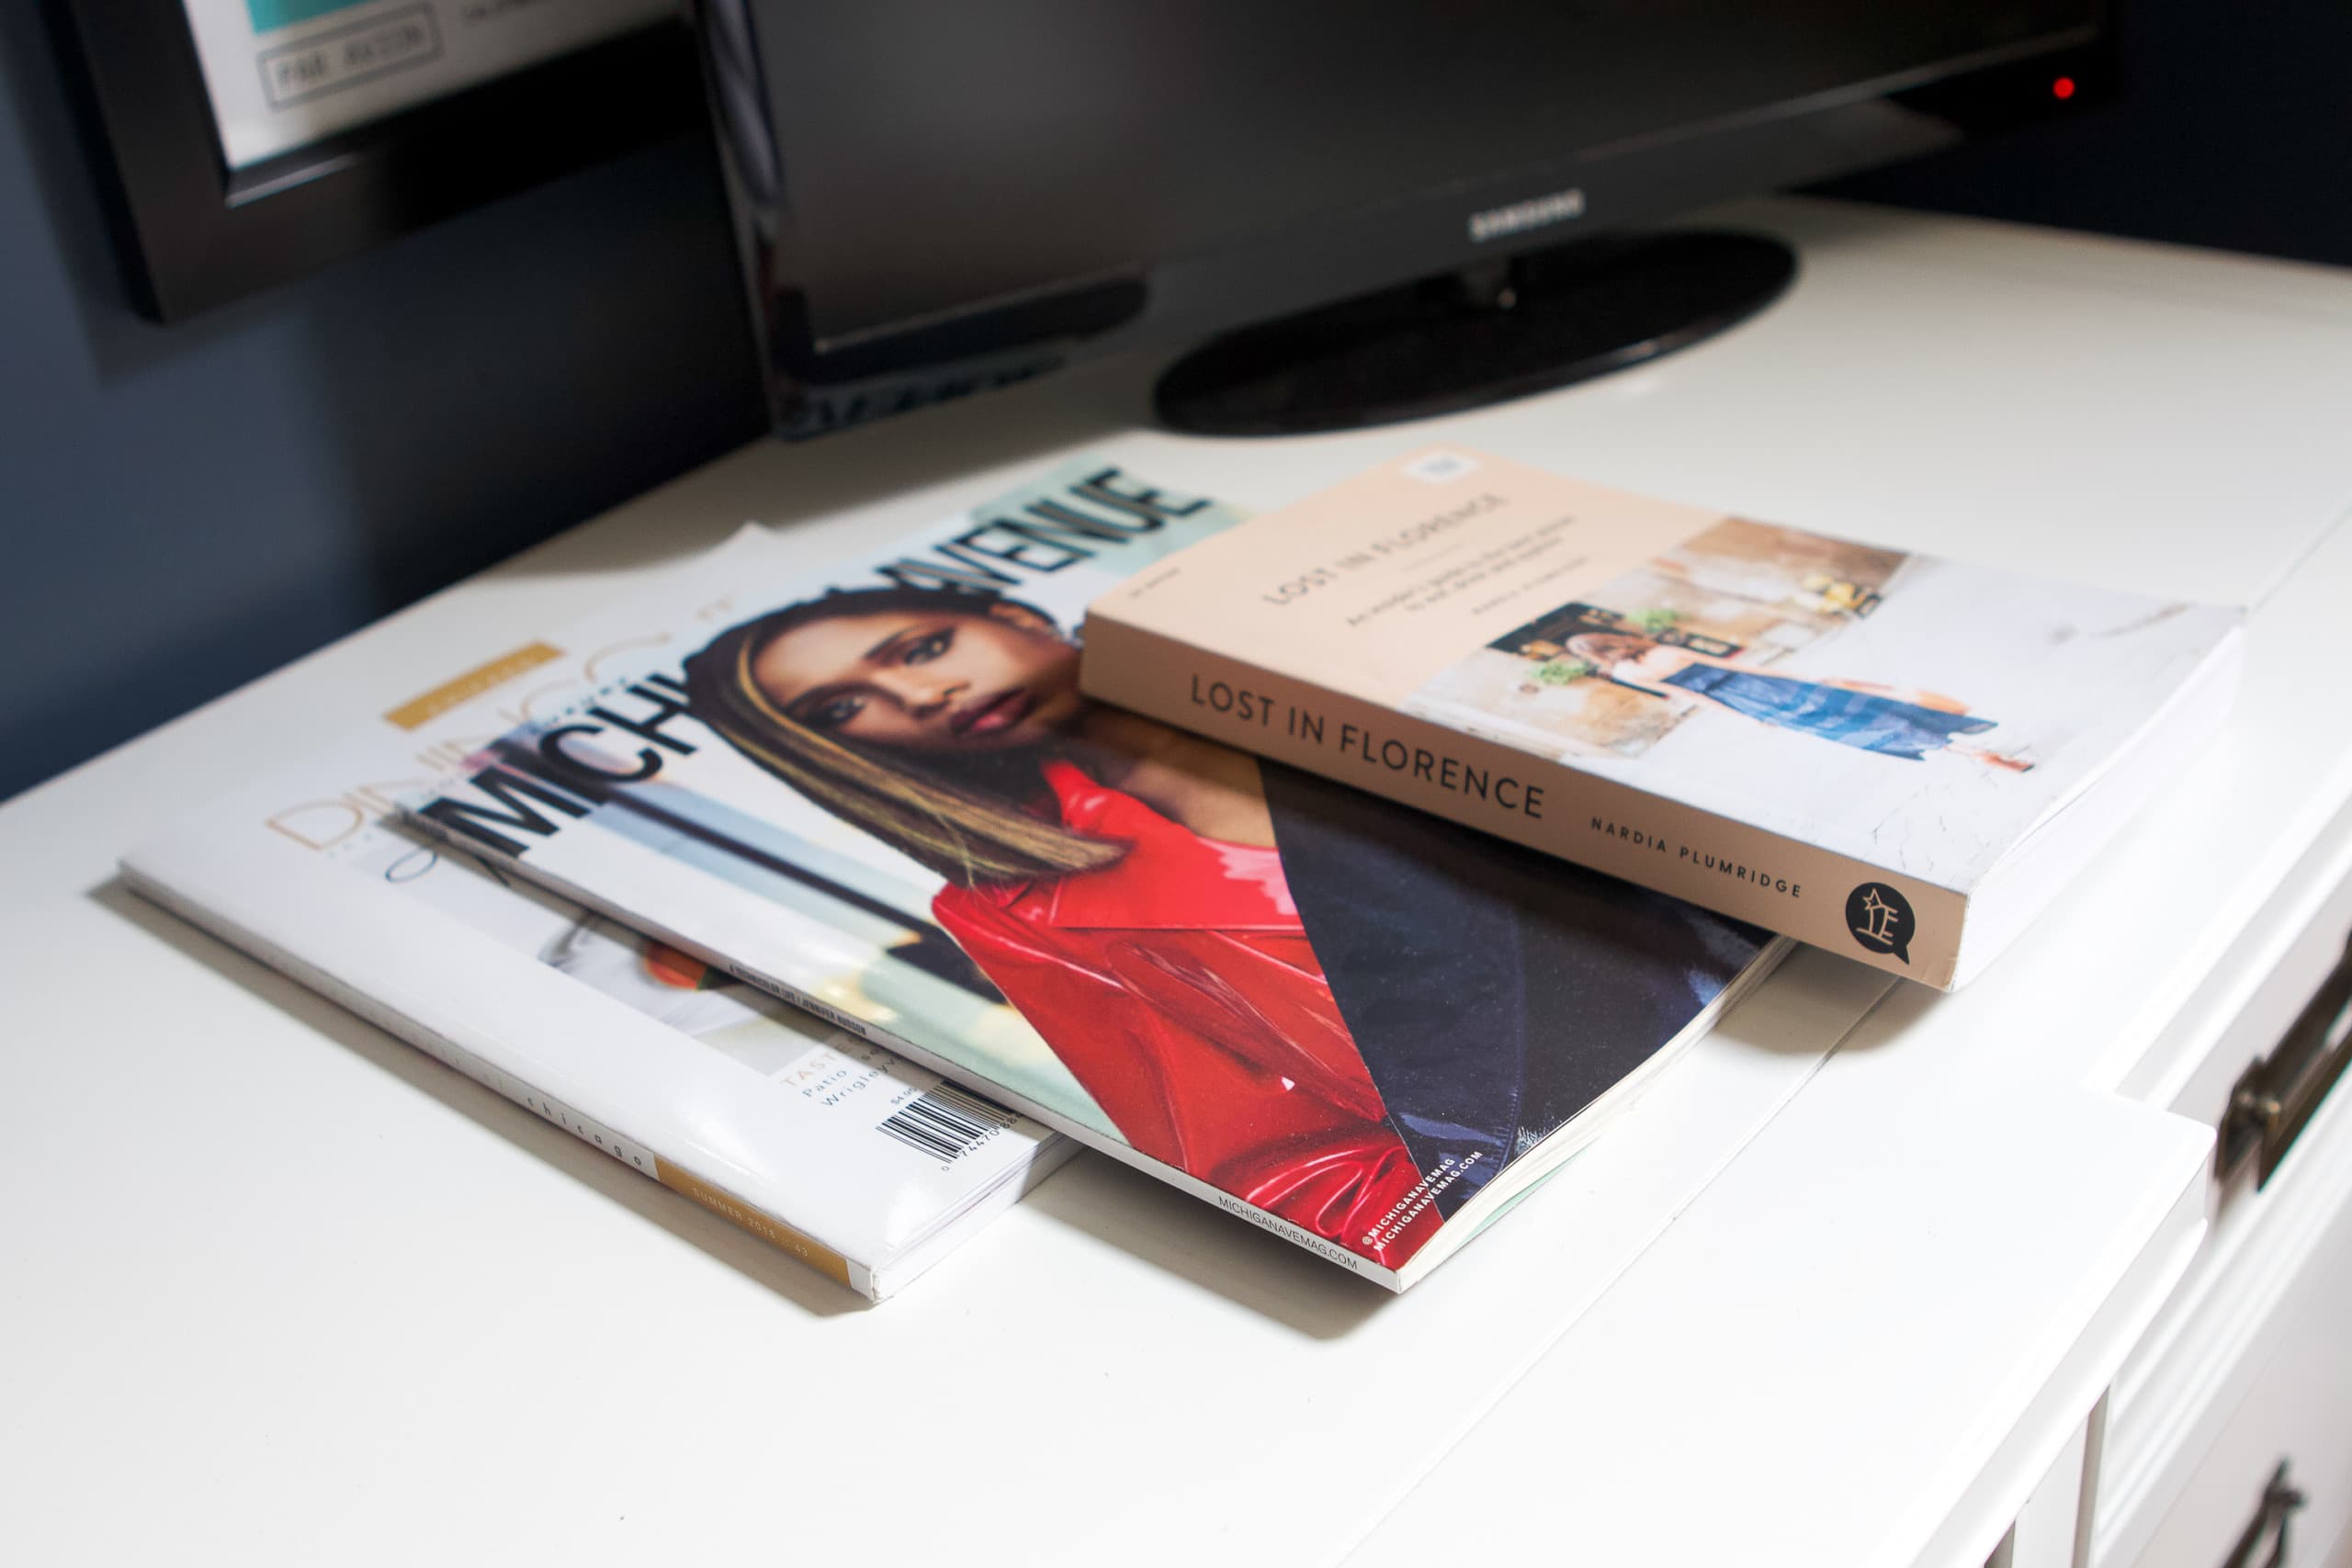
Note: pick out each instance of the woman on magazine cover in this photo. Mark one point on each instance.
(1915, 725)
(1120, 882)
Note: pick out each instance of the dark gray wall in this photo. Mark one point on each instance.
(2233, 132)
(184, 508)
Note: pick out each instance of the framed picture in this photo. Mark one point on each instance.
(255, 140)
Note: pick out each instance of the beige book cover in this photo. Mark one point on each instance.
(1887, 755)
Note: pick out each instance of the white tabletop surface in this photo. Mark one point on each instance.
(275, 1289)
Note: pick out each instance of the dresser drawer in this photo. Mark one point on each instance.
(2233, 1368)
(2286, 1041)
(2285, 1399)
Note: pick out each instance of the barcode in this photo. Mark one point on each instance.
(945, 1122)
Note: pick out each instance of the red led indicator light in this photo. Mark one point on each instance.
(2062, 88)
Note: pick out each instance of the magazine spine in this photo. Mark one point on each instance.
(1784, 885)
(914, 1051)
(454, 1054)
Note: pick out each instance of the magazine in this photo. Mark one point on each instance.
(866, 1166)
(1894, 757)
(878, 793)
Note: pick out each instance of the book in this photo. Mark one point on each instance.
(1749, 716)
(877, 791)
(866, 1166)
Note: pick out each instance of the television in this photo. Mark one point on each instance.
(1362, 210)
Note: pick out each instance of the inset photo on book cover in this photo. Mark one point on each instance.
(883, 791)
(1842, 680)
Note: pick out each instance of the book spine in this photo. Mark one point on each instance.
(454, 1056)
(947, 1067)
(1816, 895)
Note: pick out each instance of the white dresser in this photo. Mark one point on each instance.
(1953, 1283)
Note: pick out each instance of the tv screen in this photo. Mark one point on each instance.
(995, 188)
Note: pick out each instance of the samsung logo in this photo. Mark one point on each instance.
(1521, 216)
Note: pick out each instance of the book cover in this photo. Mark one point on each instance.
(878, 791)
(864, 1166)
(1871, 752)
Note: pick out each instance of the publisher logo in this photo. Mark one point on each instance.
(1880, 919)
(1441, 467)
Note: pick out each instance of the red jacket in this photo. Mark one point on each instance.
(1178, 988)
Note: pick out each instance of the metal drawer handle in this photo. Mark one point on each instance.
(2277, 1095)
(2278, 1501)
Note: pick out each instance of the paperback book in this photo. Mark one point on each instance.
(1894, 757)
(878, 792)
(866, 1166)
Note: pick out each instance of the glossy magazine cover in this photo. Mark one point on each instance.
(866, 1166)
(880, 792)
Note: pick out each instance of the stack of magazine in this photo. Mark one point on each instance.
(842, 904)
